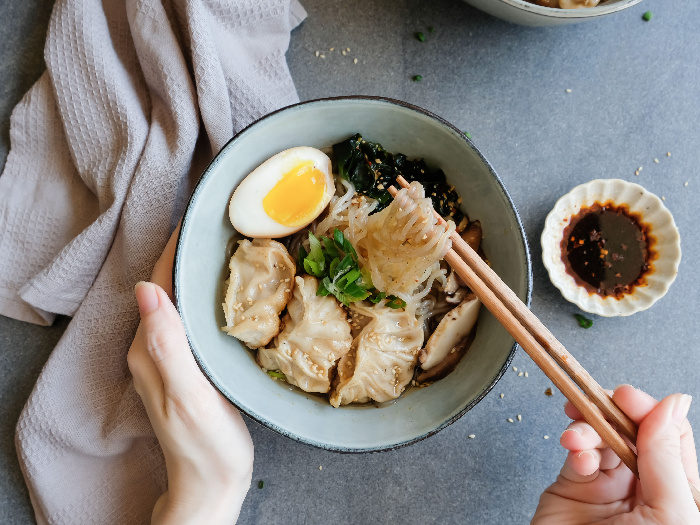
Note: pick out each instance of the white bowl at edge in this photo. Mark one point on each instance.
(527, 14)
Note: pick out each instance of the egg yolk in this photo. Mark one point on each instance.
(296, 196)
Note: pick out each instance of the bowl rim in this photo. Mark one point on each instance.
(261, 419)
(570, 14)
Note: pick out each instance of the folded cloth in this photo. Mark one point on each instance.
(105, 148)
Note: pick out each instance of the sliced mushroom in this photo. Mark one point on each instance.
(454, 327)
(546, 3)
(447, 365)
(451, 283)
(472, 235)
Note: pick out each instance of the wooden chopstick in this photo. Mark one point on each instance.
(596, 406)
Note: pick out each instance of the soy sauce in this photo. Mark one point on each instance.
(607, 249)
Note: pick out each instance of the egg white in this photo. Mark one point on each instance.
(246, 210)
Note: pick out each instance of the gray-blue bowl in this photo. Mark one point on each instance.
(201, 267)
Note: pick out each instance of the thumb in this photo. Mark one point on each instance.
(165, 339)
(664, 482)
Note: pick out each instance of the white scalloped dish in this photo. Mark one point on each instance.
(662, 233)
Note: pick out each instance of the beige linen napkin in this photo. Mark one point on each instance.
(104, 150)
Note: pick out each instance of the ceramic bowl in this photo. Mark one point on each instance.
(527, 14)
(201, 268)
(667, 245)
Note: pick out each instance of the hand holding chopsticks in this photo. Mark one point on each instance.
(546, 351)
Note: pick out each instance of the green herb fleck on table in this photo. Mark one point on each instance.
(467, 134)
(647, 16)
(261, 484)
(584, 322)
(334, 262)
(417, 78)
(420, 36)
(431, 29)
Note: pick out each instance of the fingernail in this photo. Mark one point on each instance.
(586, 452)
(146, 297)
(620, 386)
(572, 430)
(680, 408)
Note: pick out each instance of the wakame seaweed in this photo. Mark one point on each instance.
(373, 170)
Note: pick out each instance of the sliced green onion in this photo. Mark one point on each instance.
(420, 36)
(417, 78)
(647, 16)
(584, 322)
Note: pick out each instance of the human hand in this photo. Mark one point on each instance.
(207, 448)
(594, 486)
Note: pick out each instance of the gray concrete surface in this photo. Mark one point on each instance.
(634, 97)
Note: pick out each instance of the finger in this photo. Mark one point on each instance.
(146, 377)
(663, 478)
(573, 413)
(633, 402)
(608, 459)
(637, 405)
(581, 466)
(163, 270)
(579, 435)
(165, 340)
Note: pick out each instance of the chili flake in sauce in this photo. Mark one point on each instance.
(607, 249)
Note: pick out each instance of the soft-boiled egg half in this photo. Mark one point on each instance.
(284, 194)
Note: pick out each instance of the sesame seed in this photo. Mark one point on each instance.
(287, 290)
(545, 437)
(354, 61)
(515, 369)
(656, 161)
(569, 90)
(472, 436)
(525, 374)
(344, 52)
(519, 374)
(317, 53)
(668, 153)
(520, 417)
(636, 173)
(332, 48)
(510, 420)
(347, 49)
(501, 396)
(320, 467)
(685, 183)
(322, 56)
(663, 198)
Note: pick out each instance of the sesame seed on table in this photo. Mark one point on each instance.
(548, 114)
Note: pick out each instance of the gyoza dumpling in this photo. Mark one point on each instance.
(259, 288)
(316, 335)
(382, 359)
